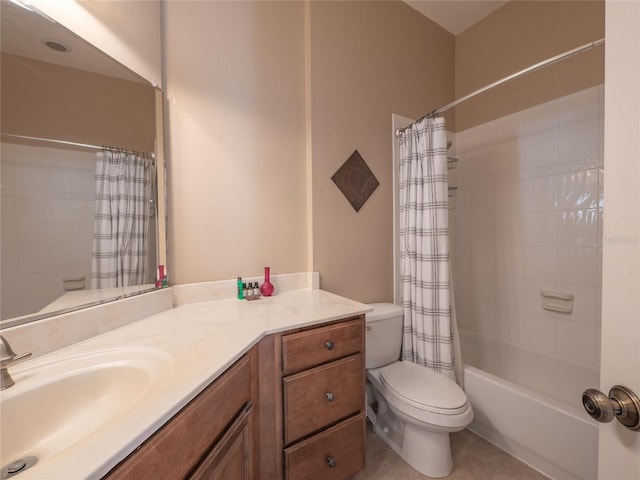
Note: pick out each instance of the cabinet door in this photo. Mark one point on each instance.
(174, 450)
(230, 459)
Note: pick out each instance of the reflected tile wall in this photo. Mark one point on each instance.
(48, 203)
(528, 217)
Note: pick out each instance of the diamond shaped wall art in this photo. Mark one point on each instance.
(355, 180)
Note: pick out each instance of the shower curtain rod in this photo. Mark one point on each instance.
(537, 66)
(51, 140)
(61, 142)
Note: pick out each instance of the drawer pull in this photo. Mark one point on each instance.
(330, 397)
(331, 462)
(329, 345)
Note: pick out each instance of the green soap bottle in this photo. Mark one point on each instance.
(240, 292)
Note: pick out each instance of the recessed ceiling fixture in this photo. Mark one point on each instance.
(55, 45)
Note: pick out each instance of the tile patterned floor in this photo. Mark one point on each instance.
(473, 459)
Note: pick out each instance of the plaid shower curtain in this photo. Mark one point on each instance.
(124, 190)
(424, 246)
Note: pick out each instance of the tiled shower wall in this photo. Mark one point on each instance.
(527, 217)
(48, 202)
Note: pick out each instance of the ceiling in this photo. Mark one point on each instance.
(456, 16)
(25, 32)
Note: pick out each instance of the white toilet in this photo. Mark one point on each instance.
(411, 407)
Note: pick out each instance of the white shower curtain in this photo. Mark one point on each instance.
(424, 247)
(124, 190)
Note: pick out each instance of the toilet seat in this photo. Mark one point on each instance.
(424, 394)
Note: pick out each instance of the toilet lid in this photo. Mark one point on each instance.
(424, 388)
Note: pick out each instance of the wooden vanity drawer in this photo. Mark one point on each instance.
(335, 454)
(321, 396)
(320, 345)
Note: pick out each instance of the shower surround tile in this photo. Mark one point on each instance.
(540, 228)
(577, 265)
(528, 218)
(540, 332)
(578, 140)
(578, 190)
(577, 341)
(508, 157)
(539, 194)
(578, 228)
(509, 229)
(540, 263)
(541, 149)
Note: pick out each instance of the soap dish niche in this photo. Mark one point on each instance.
(557, 301)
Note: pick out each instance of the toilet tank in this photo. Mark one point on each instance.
(383, 334)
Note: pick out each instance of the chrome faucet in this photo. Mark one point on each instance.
(8, 357)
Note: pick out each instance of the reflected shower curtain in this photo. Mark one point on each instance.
(124, 190)
(424, 246)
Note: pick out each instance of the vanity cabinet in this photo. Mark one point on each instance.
(291, 408)
(319, 376)
(213, 437)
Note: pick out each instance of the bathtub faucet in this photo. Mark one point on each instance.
(8, 357)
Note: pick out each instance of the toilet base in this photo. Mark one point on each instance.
(427, 452)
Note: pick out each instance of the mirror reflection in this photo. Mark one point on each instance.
(77, 220)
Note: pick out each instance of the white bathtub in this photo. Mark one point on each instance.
(555, 437)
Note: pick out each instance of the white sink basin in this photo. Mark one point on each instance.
(55, 405)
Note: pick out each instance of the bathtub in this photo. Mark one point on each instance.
(549, 431)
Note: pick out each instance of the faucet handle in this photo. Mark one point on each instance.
(7, 355)
(21, 356)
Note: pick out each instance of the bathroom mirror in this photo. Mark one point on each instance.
(56, 86)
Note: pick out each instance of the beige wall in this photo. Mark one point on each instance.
(368, 60)
(40, 99)
(235, 83)
(516, 36)
(238, 112)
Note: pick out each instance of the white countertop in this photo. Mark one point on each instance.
(201, 340)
